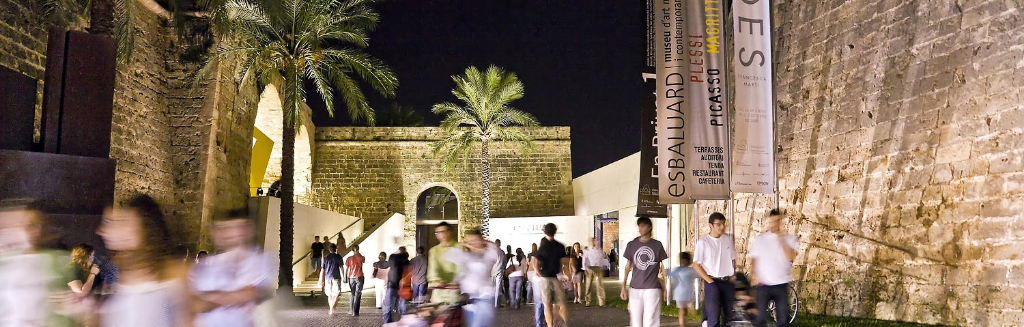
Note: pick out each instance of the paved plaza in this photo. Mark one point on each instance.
(313, 313)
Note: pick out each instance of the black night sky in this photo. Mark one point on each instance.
(580, 62)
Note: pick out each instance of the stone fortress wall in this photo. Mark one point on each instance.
(900, 164)
(360, 170)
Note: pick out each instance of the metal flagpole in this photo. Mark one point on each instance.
(775, 101)
(732, 218)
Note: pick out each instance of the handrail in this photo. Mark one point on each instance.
(328, 239)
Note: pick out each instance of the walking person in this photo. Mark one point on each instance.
(714, 259)
(230, 284)
(354, 271)
(330, 277)
(440, 271)
(516, 279)
(316, 254)
(498, 273)
(593, 263)
(398, 262)
(643, 256)
(579, 273)
(418, 270)
(548, 262)
(683, 278)
(476, 264)
(772, 255)
(380, 276)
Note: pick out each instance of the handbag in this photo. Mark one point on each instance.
(405, 286)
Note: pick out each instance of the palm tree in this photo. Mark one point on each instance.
(486, 117)
(290, 44)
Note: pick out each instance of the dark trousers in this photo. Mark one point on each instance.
(356, 285)
(779, 294)
(718, 301)
(392, 303)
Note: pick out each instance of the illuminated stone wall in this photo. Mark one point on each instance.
(360, 170)
(900, 142)
(190, 154)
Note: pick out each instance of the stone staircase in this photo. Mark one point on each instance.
(308, 287)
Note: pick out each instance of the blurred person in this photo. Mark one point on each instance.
(645, 290)
(316, 254)
(354, 271)
(227, 288)
(533, 278)
(476, 263)
(380, 276)
(330, 277)
(86, 271)
(714, 260)
(682, 293)
(440, 271)
(549, 259)
(392, 302)
(418, 269)
(772, 254)
(593, 262)
(33, 279)
(498, 275)
(151, 291)
(516, 280)
(327, 244)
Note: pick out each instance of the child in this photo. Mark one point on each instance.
(683, 277)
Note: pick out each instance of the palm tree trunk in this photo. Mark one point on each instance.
(101, 17)
(485, 160)
(287, 185)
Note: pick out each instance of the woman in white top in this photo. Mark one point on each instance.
(150, 292)
(516, 278)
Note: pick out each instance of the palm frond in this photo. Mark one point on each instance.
(124, 28)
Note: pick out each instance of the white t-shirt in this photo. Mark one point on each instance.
(474, 275)
(231, 271)
(716, 255)
(771, 265)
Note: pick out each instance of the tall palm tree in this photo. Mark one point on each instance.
(290, 44)
(485, 117)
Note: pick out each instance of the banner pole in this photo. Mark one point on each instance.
(732, 215)
(775, 101)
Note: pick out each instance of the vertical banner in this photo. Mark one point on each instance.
(754, 162)
(670, 69)
(707, 139)
(647, 200)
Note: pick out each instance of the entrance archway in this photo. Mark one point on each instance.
(434, 205)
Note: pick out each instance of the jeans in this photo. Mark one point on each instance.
(356, 285)
(645, 307)
(498, 290)
(392, 303)
(779, 294)
(515, 289)
(718, 301)
(419, 292)
(480, 312)
(315, 262)
(538, 306)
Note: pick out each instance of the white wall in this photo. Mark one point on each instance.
(309, 222)
(610, 188)
(523, 232)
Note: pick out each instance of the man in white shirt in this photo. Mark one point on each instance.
(475, 264)
(593, 262)
(229, 285)
(714, 259)
(772, 255)
(498, 273)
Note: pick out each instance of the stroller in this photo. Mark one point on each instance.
(745, 309)
(446, 310)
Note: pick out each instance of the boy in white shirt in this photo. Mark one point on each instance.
(714, 259)
(772, 255)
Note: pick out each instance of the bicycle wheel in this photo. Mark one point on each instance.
(794, 306)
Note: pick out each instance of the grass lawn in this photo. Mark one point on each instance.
(802, 319)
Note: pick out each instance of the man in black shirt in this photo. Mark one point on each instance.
(330, 277)
(548, 262)
(317, 255)
(398, 262)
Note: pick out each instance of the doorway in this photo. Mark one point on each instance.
(435, 205)
(425, 234)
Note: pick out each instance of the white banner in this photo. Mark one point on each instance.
(753, 145)
(707, 148)
(670, 68)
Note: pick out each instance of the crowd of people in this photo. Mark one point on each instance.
(145, 282)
